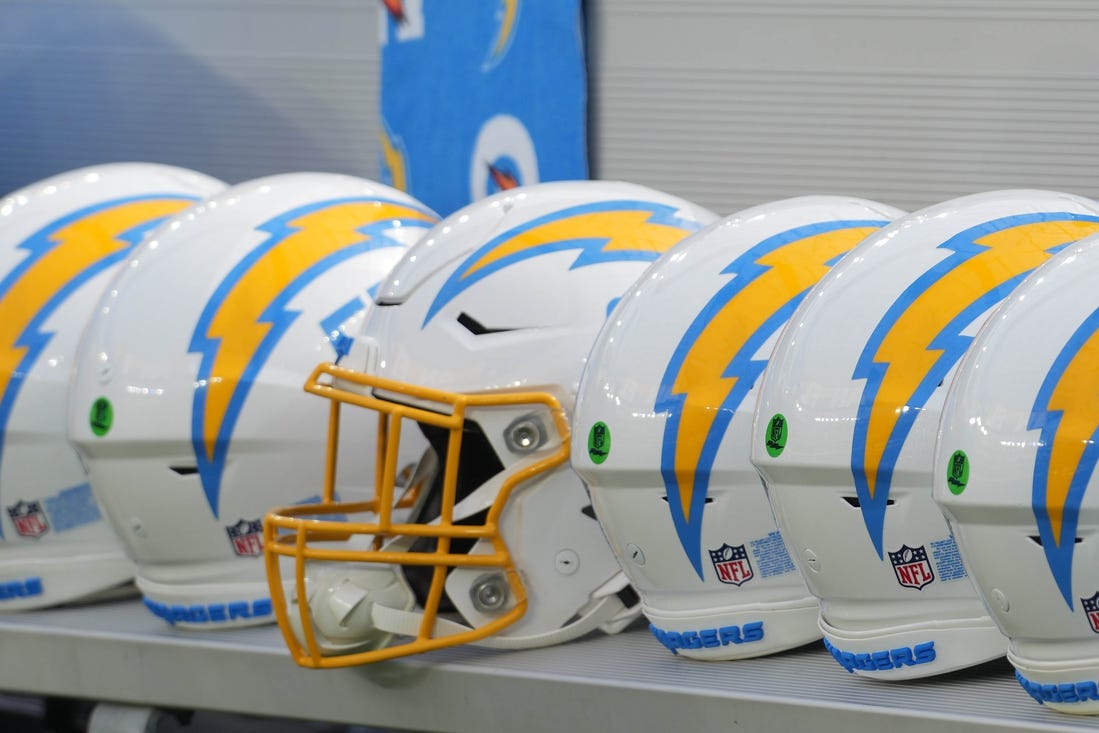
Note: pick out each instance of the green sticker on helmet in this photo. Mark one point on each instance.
(957, 472)
(776, 436)
(599, 442)
(102, 416)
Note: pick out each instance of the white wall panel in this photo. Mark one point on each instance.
(727, 102)
(732, 103)
(234, 88)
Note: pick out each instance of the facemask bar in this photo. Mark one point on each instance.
(295, 531)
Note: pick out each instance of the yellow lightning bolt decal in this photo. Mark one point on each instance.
(712, 371)
(509, 11)
(791, 270)
(393, 157)
(918, 341)
(622, 231)
(61, 257)
(608, 231)
(1076, 397)
(1066, 410)
(247, 315)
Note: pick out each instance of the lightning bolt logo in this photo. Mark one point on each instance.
(608, 231)
(247, 315)
(919, 340)
(61, 257)
(506, 18)
(703, 385)
(393, 159)
(1066, 410)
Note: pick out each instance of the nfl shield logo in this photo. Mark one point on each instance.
(1091, 608)
(732, 564)
(912, 566)
(246, 537)
(29, 519)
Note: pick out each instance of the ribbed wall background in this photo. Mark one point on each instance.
(732, 103)
(234, 88)
(727, 102)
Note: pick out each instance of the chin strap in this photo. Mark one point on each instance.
(605, 612)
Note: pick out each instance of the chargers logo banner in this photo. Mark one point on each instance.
(919, 340)
(712, 370)
(61, 257)
(248, 314)
(481, 96)
(1066, 410)
(608, 231)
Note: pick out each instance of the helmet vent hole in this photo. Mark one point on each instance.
(856, 503)
(477, 328)
(183, 470)
(707, 500)
(588, 511)
(1038, 540)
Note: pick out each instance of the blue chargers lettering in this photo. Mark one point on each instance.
(209, 613)
(884, 659)
(25, 588)
(708, 638)
(1065, 692)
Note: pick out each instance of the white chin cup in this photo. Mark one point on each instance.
(342, 597)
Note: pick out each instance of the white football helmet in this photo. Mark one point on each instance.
(60, 240)
(478, 340)
(188, 405)
(1015, 474)
(844, 432)
(664, 415)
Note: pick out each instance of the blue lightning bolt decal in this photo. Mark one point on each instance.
(919, 339)
(340, 340)
(703, 385)
(1066, 410)
(608, 231)
(247, 315)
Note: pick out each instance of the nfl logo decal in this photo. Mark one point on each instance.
(246, 537)
(732, 565)
(1091, 608)
(912, 566)
(29, 519)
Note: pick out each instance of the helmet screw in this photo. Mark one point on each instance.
(489, 592)
(524, 435)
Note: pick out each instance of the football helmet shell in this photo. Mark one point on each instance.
(1015, 475)
(844, 432)
(479, 337)
(61, 239)
(664, 415)
(198, 352)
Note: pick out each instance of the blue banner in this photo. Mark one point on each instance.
(481, 95)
